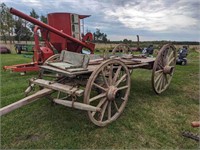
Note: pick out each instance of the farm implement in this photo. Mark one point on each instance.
(61, 32)
(97, 84)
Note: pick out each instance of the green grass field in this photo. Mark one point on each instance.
(148, 121)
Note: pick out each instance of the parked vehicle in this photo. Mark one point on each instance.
(182, 54)
(148, 51)
(23, 47)
(4, 50)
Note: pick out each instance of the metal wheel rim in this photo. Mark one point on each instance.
(109, 107)
(166, 57)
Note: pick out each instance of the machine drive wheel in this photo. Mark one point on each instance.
(108, 88)
(163, 68)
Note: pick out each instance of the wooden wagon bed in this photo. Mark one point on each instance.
(72, 64)
(102, 83)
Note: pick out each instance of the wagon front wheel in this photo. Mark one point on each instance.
(163, 68)
(108, 89)
(53, 58)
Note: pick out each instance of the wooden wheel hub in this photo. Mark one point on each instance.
(168, 69)
(112, 92)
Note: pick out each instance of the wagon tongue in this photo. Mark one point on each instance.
(25, 101)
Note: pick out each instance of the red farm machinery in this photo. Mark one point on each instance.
(63, 32)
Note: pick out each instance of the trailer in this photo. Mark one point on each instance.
(19, 48)
(98, 84)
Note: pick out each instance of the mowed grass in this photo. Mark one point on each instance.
(148, 121)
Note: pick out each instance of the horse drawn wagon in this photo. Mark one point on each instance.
(99, 84)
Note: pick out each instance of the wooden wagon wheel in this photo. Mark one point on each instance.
(163, 68)
(52, 58)
(121, 49)
(108, 88)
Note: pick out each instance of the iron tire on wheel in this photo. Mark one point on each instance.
(108, 88)
(163, 68)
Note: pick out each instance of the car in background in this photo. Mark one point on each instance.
(4, 50)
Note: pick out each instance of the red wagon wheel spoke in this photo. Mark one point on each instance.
(163, 68)
(112, 78)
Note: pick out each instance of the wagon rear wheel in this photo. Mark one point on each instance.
(108, 88)
(163, 68)
(121, 49)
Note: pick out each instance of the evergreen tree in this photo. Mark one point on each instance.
(43, 19)
(21, 30)
(6, 23)
(99, 36)
(34, 15)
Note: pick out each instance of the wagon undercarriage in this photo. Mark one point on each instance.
(99, 85)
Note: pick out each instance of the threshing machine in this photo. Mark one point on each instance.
(63, 32)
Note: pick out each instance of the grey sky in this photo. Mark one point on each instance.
(153, 20)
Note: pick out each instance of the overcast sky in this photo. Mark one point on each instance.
(177, 20)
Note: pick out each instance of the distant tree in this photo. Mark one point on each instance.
(99, 36)
(126, 41)
(34, 15)
(6, 23)
(43, 18)
(22, 32)
(104, 38)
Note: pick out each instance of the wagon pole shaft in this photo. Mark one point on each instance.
(25, 101)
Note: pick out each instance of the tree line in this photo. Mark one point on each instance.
(13, 25)
(13, 28)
